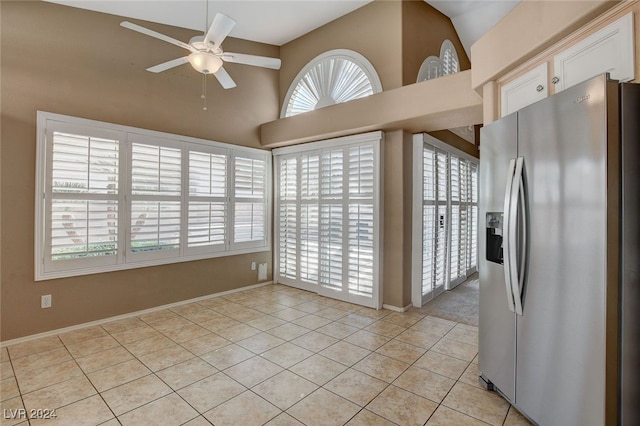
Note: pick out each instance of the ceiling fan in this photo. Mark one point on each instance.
(206, 54)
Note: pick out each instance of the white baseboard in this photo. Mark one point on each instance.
(396, 309)
(129, 315)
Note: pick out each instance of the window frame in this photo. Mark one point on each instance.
(45, 268)
(346, 54)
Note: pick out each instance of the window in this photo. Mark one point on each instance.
(437, 66)
(328, 218)
(112, 197)
(445, 216)
(334, 77)
(449, 58)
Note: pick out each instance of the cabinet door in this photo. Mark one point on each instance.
(610, 49)
(524, 90)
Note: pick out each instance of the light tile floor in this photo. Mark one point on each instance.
(272, 355)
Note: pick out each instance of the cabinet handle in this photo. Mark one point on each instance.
(540, 88)
(555, 80)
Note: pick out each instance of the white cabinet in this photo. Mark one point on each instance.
(524, 90)
(610, 49)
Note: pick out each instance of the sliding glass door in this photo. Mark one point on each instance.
(444, 218)
(327, 218)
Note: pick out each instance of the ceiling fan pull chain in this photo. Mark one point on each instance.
(204, 92)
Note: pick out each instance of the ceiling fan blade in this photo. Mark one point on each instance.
(168, 65)
(219, 30)
(256, 61)
(155, 34)
(224, 78)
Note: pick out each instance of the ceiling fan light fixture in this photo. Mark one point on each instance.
(205, 63)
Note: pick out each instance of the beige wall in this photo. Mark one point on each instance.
(396, 283)
(423, 31)
(81, 63)
(373, 30)
(527, 30)
(396, 37)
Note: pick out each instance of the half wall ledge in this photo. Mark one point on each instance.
(438, 104)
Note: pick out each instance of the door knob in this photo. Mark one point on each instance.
(540, 88)
(555, 80)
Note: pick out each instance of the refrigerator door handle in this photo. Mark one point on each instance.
(517, 253)
(507, 247)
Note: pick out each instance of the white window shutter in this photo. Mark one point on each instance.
(83, 206)
(335, 216)
(249, 208)
(331, 219)
(207, 205)
(287, 217)
(113, 197)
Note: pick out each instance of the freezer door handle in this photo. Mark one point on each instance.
(507, 247)
(517, 240)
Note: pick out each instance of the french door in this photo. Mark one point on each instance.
(327, 218)
(444, 219)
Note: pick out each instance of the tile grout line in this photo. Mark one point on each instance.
(338, 321)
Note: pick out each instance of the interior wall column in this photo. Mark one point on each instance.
(397, 230)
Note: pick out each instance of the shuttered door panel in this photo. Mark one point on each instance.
(288, 241)
(454, 249)
(360, 274)
(331, 221)
(440, 264)
(442, 226)
(82, 211)
(331, 247)
(309, 243)
(309, 218)
(361, 221)
(331, 205)
(464, 220)
(207, 202)
(287, 217)
(429, 221)
(473, 234)
(428, 249)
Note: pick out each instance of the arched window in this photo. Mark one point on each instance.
(431, 68)
(446, 64)
(331, 78)
(449, 58)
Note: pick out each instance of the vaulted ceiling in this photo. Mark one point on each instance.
(280, 21)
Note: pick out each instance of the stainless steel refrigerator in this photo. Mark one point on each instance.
(559, 256)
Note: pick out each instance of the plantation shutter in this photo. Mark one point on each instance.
(111, 197)
(287, 217)
(82, 209)
(249, 206)
(309, 218)
(360, 242)
(156, 186)
(331, 220)
(472, 259)
(207, 202)
(327, 220)
(435, 217)
(442, 224)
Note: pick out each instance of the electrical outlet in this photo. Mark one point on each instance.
(45, 301)
(253, 266)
